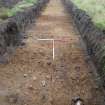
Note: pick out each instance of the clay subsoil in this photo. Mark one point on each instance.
(33, 77)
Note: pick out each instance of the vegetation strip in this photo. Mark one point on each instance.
(11, 28)
(93, 36)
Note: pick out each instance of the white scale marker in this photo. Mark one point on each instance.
(52, 45)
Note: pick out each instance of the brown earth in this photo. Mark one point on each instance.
(32, 77)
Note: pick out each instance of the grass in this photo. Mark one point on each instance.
(19, 7)
(95, 8)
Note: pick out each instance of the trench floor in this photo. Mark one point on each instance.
(33, 77)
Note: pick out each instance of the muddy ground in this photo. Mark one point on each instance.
(32, 77)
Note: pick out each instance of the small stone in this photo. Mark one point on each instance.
(77, 101)
(48, 77)
(49, 63)
(22, 44)
(57, 77)
(25, 75)
(34, 78)
(53, 80)
(31, 87)
(43, 83)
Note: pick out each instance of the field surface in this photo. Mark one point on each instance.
(32, 77)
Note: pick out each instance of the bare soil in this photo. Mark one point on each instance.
(32, 77)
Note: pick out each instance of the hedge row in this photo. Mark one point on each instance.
(8, 3)
(94, 37)
(11, 29)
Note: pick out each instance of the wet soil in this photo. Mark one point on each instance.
(32, 77)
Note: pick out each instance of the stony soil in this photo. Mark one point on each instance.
(32, 77)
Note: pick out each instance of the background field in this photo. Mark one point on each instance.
(95, 8)
(9, 8)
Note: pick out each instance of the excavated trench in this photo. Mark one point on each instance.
(32, 77)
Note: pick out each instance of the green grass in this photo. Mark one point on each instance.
(95, 8)
(19, 7)
(3, 13)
